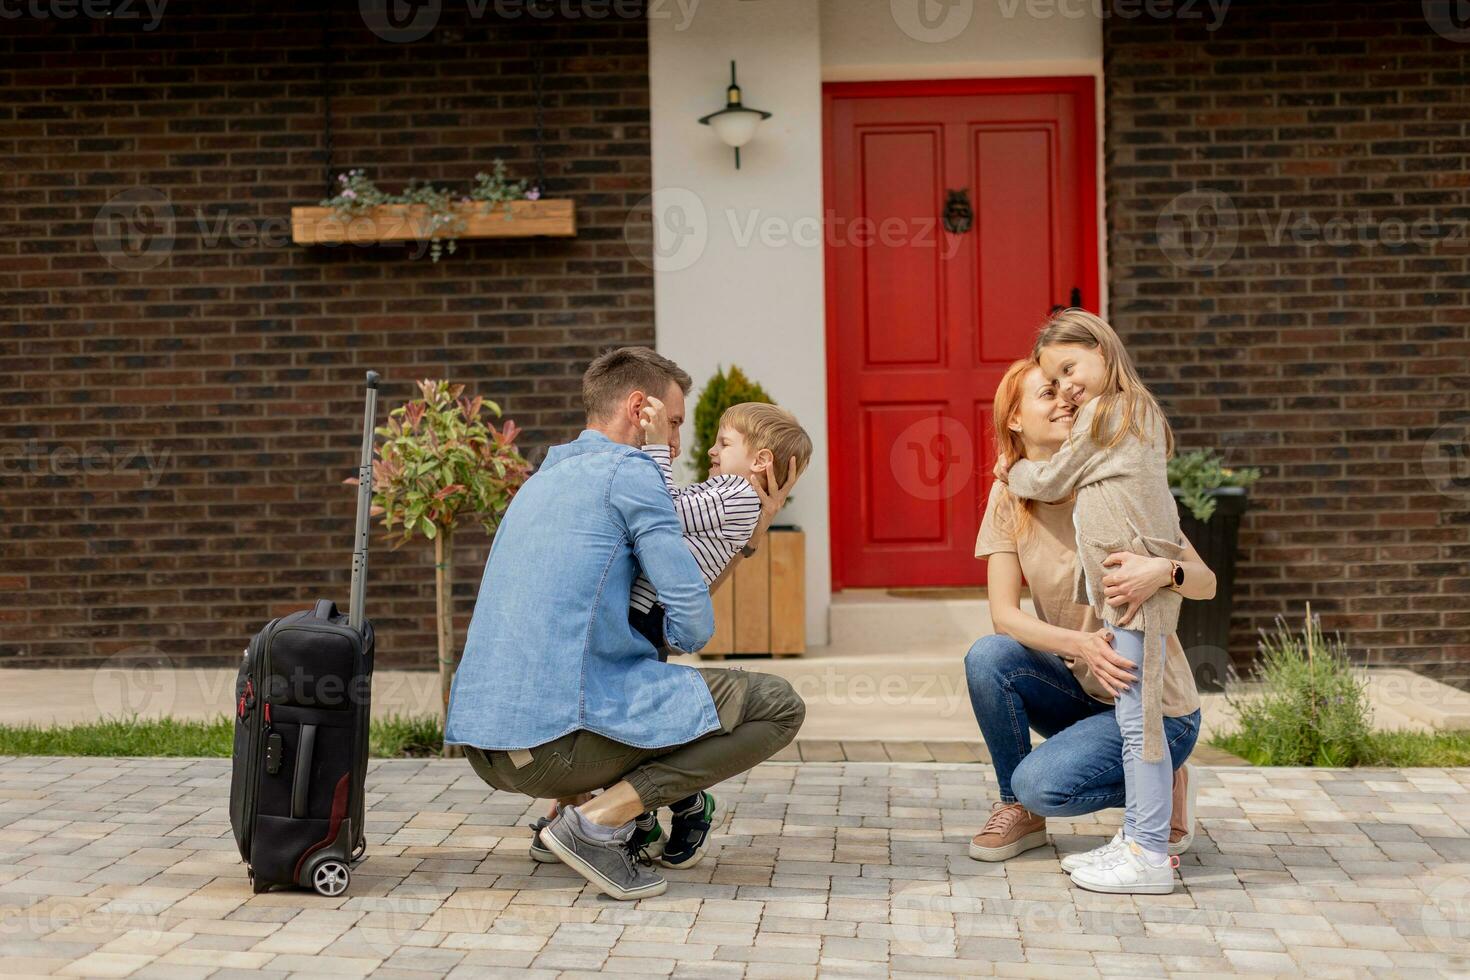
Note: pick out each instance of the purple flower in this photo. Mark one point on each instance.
(349, 194)
(342, 178)
(534, 194)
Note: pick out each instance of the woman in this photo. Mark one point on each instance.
(1056, 671)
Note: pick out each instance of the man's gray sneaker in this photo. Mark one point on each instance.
(619, 867)
(650, 835)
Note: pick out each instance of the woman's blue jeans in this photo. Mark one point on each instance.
(1079, 768)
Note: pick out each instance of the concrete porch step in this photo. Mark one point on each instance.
(903, 620)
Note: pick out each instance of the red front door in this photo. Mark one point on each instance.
(923, 321)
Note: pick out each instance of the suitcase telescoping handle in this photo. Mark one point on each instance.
(364, 505)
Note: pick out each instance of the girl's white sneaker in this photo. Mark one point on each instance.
(1127, 872)
(1081, 859)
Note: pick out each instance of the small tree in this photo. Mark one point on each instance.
(439, 463)
(720, 392)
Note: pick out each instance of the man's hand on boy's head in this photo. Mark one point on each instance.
(772, 500)
(654, 418)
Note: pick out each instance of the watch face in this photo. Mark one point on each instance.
(1178, 574)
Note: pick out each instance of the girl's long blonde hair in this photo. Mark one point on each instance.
(1010, 445)
(1121, 384)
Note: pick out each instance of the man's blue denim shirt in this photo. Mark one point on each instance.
(549, 649)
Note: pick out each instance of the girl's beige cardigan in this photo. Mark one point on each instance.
(1123, 504)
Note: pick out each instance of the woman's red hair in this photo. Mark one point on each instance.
(1009, 444)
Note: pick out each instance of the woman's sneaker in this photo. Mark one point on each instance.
(615, 866)
(1127, 872)
(690, 831)
(1072, 862)
(1012, 829)
(1181, 823)
(649, 835)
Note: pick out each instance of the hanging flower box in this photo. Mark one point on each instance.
(550, 217)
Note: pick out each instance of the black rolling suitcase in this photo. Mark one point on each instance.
(302, 703)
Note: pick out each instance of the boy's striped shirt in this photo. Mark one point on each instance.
(717, 516)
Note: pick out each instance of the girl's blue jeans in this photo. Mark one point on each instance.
(1079, 768)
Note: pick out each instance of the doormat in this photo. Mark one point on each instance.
(937, 593)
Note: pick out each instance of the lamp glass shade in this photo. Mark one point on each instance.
(736, 127)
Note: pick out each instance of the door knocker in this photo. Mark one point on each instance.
(958, 215)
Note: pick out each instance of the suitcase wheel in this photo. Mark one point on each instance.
(330, 878)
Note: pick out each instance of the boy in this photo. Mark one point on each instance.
(755, 441)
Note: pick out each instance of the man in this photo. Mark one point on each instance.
(557, 696)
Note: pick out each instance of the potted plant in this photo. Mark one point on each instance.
(440, 463)
(1211, 498)
(495, 207)
(762, 607)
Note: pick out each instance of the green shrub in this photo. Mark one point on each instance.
(720, 392)
(404, 736)
(1199, 471)
(1312, 709)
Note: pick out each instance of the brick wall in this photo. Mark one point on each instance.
(174, 438)
(1334, 359)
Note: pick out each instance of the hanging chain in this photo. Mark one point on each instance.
(540, 147)
(327, 97)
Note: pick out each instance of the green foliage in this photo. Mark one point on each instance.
(720, 392)
(439, 462)
(1198, 472)
(357, 195)
(395, 737)
(1312, 709)
(406, 736)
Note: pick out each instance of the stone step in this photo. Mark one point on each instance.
(904, 620)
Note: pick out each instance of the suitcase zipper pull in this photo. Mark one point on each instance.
(267, 714)
(244, 698)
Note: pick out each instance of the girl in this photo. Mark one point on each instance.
(1115, 461)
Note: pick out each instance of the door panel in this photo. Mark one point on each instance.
(923, 322)
(900, 174)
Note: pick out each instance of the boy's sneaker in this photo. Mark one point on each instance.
(690, 832)
(617, 867)
(1181, 823)
(649, 835)
(1127, 872)
(1011, 830)
(1072, 862)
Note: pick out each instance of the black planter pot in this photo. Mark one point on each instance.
(1204, 626)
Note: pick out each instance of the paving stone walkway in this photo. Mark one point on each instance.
(126, 867)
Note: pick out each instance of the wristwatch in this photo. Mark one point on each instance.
(1176, 576)
(748, 551)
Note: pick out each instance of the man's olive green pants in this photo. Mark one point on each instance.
(759, 715)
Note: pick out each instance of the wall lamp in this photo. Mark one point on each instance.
(736, 123)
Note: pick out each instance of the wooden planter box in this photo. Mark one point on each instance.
(762, 607)
(554, 217)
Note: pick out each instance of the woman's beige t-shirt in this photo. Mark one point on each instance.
(1048, 557)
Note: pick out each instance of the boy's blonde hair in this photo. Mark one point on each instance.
(771, 427)
(1079, 328)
